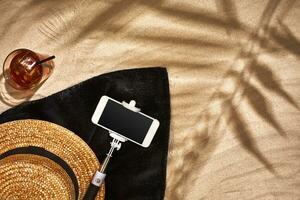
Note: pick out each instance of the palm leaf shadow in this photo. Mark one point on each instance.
(263, 23)
(268, 79)
(268, 12)
(229, 10)
(105, 20)
(255, 98)
(200, 147)
(284, 36)
(101, 20)
(285, 9)
(244, 135)
(201, 17)
(259, 104)
(187, 41)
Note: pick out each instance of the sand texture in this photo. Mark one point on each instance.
(234, 80)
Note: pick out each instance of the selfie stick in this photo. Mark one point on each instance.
(99, 176)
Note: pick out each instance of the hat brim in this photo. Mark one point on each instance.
(25, 169)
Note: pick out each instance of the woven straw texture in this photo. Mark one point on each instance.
(28, 176)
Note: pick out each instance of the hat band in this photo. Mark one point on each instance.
(43, 152)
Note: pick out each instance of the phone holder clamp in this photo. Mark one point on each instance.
(131, 106)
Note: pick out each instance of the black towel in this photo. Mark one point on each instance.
(134, 173)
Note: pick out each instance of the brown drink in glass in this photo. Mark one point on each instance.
(23, 69)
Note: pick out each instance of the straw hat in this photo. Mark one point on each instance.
(41, 160)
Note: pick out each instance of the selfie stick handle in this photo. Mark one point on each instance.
(99, 176)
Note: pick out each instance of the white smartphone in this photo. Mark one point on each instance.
(134, 126)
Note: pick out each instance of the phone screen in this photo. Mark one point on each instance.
(121, 120)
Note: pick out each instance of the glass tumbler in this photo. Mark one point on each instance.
(23, 69)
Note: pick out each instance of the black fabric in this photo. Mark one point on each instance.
(43, 152)
(134, 173)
